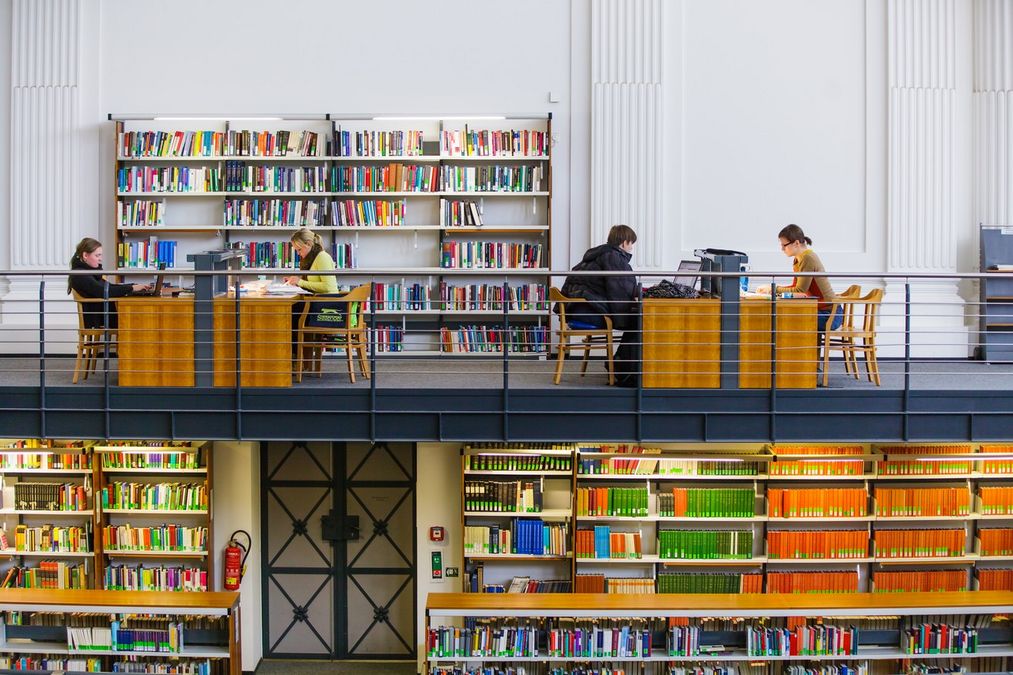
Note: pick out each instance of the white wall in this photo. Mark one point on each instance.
(236, 505)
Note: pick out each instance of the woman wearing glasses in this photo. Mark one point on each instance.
(796, 245)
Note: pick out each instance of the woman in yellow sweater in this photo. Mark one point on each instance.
(314, 258)
(795, 245)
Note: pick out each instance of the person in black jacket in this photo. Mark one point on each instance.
(615, 296)
(88, 256)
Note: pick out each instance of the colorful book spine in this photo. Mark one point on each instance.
(162, 578)
(678, 582)
(612, 501)
(521, 536)
(53, 539)
(244, 177)
(368, 213)
(517, 462)
(172, 179)
(818, 640)
(473, 255)
(388, 338)
(815, 503)
(492, 339)
(147, 253)
(378, 143)
(503, 496)
(494, 143)
(135, 144)
(155, 496)
(273, 213)
(932, 638)
(917, 467)
(603, 544)
(492, 297)
(247, 143)
(151, 460)
(390, 178)
(168, 538)
(496, 178)
(401, 297)
(53, 461)
(817, 544)
(140, 213)
(817, 467)
(49, 574)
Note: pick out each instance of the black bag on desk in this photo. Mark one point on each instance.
(668, 289)
(329, 314)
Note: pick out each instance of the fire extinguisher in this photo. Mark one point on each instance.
(235, 560)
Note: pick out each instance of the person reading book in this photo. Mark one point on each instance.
(312, 257)
(88, 256)
(796, 245)
(614, 296)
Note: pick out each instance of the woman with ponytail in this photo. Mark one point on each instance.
(313, 257)
(88, 256)
(796, 245)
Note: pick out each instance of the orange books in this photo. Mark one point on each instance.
(995, 541)
(996, 501)
(817, 467)
(925, 467)
(995, 580)
(920, 581)
(813, 502)
(916, 502)
(809, 544)
(997, 466)
(812, 582)
(590, 583)
(920, 543)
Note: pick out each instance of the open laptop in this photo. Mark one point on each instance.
(157, 290)
(688, 266)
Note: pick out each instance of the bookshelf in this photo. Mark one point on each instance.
(115, 484)
(789, 518)
(156, 518)
(416, 196)
(729, 633)
(517, 519)
(114, 631)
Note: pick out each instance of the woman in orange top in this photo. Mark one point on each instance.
(796, 245)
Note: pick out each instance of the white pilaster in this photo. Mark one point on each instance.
(627, 125)
(45, 197)
(993, 112)
(925, 165)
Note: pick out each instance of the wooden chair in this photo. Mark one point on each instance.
(590, 338)
(90, 341)
(841, 338)
(312, 340)
(862, 339)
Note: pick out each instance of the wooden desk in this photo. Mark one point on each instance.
(682, 343)
(156, 342)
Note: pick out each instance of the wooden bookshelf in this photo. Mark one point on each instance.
(511, 214)
(215, 615)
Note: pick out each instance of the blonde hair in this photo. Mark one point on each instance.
(306, 237)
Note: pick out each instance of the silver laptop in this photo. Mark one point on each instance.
(688, 266)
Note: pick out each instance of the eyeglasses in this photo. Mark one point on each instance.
(784, 246)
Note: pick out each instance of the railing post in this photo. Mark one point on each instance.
(371, 337)
(773, 359)
(505, 344)
(907, 357)
(42, 358)
(638, 350)
(239, 362)
(105, 358)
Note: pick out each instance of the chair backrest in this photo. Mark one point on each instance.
(79, 301)
(852, 292)
(873, 299)
(556, 296)
(354, 300)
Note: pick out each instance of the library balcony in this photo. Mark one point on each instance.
(504, 354)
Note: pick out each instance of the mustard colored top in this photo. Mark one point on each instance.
(807, 261)
(320, 283)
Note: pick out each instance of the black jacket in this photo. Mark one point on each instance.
(611, 295)
(93, 286)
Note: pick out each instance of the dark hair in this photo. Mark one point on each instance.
(794, 233)
(620, 234)
(86, 245)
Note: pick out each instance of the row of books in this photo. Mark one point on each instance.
(402, 296)
(378, 143)
(476, 255)
(282, 254)
(273, 213)
(818, 640)
(171, 143)
(522, 536)
(916, 468)
(503, 496)
(995, 541)
(140, 213)
(995, 501)
(170, 179)
(169, 537)
(150, 253)
(161, 578)
(598, 642)
(49, 461)
(388, 338)
(115, 638)
(152, 460)
(708, 503)
(602, 543)
(282, 143)
(51, 663)
(802, 544)
(941, 501)
(529, 585)
(50, 538)
(394, 177)
(680, 582)
(933, 638)
(457, 213)
(368, 213)
(598, 583)
(45, 496)
(155, 496)
(612, 501)
(176, 666)
(493, 339)
(512, 462)
(243, 177)
(812, 582)
(995, 579)
(704, 544)
(50, 574)
(508, 641)
(493, 178)
(823, 502)
(920, 543)
(470, 297)
(494, 143)
(920, 581)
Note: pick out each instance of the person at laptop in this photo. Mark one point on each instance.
(615, 296)
(796, 245)
(88, 256)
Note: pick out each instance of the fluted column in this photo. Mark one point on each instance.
(993, 112)
(627, 125)
(925, 180)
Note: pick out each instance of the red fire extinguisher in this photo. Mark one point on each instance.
(235, 560)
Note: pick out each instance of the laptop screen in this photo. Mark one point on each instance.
(688, 266)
